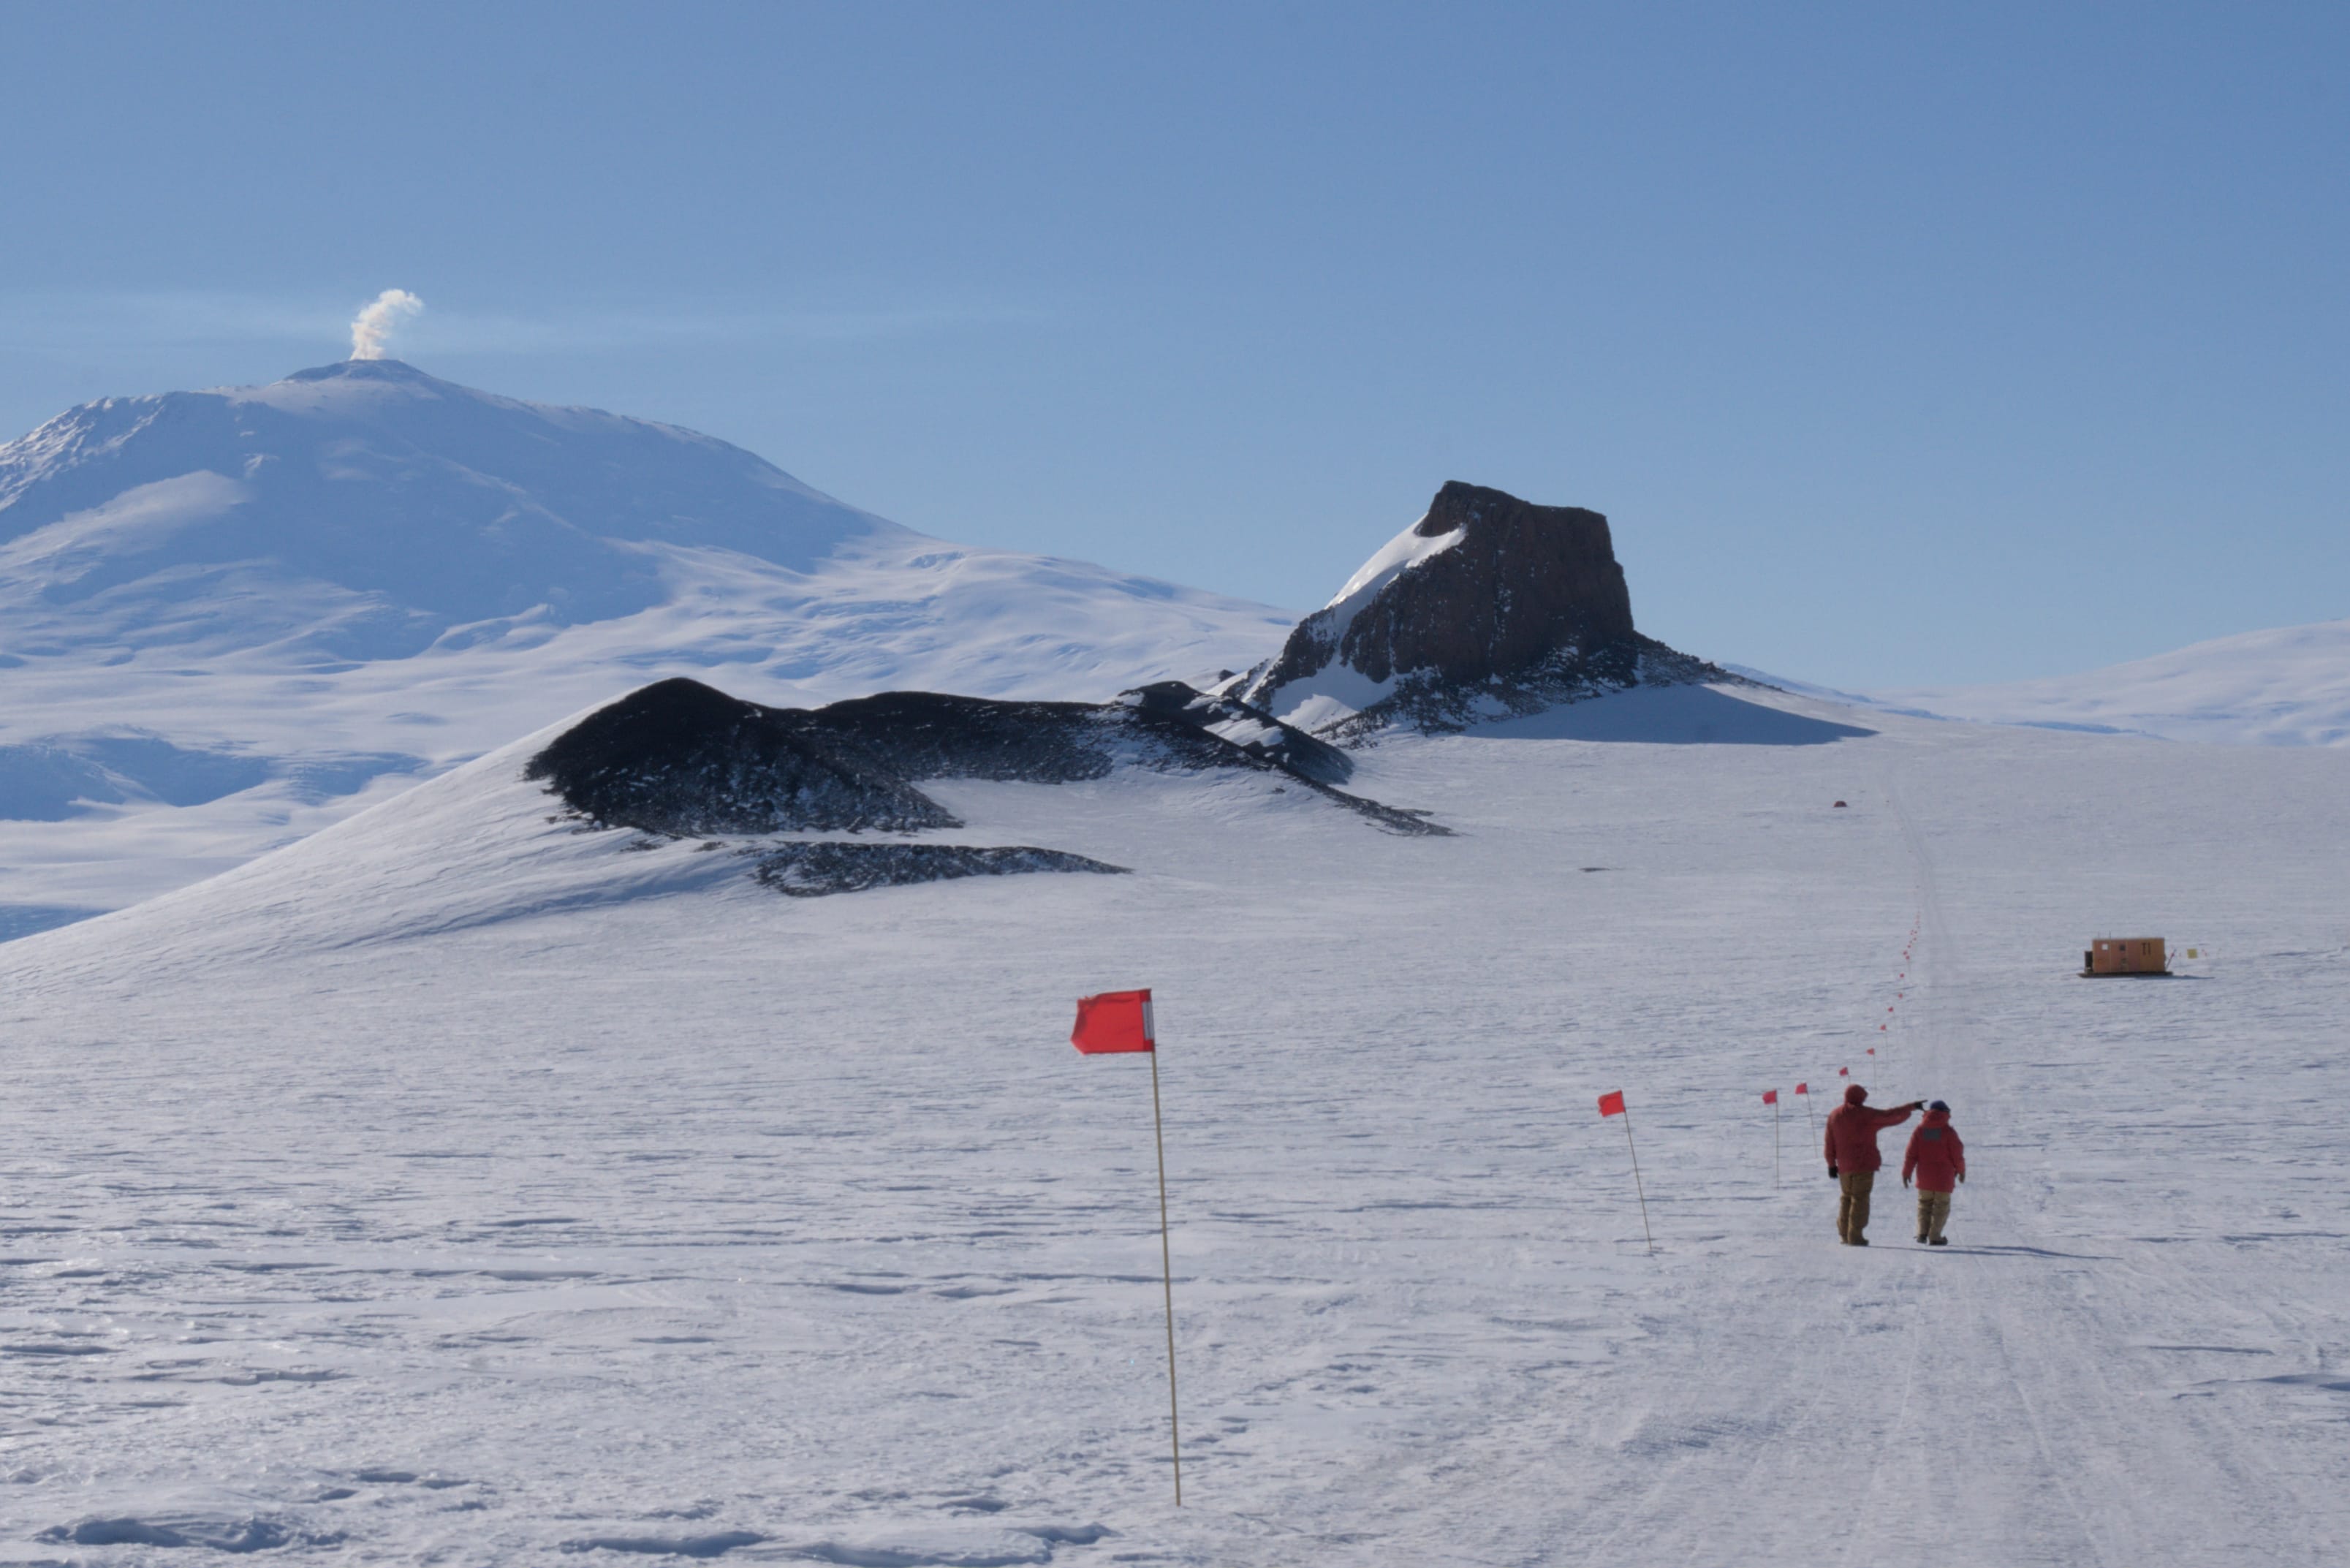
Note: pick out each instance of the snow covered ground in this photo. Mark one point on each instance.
(2287, 686)
(455, 1187)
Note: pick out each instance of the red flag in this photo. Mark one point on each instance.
(1114, 1020)
(1872, 1050)
(1843, 1072)
(1612, 1105)
(1802, 1088)
(1769, 1096)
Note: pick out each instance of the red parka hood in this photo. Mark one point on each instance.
(1854, 1093)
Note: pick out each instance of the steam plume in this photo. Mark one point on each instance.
(377, 318)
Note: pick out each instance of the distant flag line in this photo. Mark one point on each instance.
(1122, 1023)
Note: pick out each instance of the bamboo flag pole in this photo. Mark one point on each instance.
(1166, 1278)
(1119, 1022)
(1771, 1095)
(1637, 1189)
(1612, 1105)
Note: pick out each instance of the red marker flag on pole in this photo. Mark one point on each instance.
(1802, 1088)
(1769, 1096)
(1612, 1105)
(1114, 1020)
(1872, 1050)
(1843, 1072)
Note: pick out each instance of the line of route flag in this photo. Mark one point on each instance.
(1120, 1023)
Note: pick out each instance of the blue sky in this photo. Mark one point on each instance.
(1900, 343)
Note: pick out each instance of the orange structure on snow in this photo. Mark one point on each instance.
(2125, 955)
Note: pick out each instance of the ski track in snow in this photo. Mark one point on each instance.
(716, 1224)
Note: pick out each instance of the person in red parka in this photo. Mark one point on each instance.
(1937, 1158)
(1852, 1159)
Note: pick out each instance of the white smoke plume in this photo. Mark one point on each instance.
(377, 318)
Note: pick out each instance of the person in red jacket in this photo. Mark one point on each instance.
(1852, 1159)
(1937, 1158)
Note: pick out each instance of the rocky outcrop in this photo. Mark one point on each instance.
(815, 870)
(1488, 606)
(680, 759)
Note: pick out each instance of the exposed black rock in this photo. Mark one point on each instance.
(1253, 730)
(1526, 606)
(680, 759)
(811, 870)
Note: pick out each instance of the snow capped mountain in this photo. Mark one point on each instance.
(2285, 686)
(1487, 607)
(410, 504)
(229, 617)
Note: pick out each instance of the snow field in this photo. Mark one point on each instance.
(698, 1219)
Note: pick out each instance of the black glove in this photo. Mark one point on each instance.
(1832, 1173)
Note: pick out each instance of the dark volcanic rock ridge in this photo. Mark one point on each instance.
(1488, 606)
(813, 870)
(681, 759)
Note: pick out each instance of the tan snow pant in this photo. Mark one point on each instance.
(1933, 1214)
(1852, 1207)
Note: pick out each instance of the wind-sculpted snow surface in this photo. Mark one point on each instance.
(483, 1191)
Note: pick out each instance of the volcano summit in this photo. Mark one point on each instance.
(304, 596)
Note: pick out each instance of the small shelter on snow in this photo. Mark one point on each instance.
(2125, 955)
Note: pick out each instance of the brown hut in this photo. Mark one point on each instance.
(2125, 955)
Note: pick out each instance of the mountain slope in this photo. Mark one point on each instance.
(356, 577)
(2285, 686)
(429, 504)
